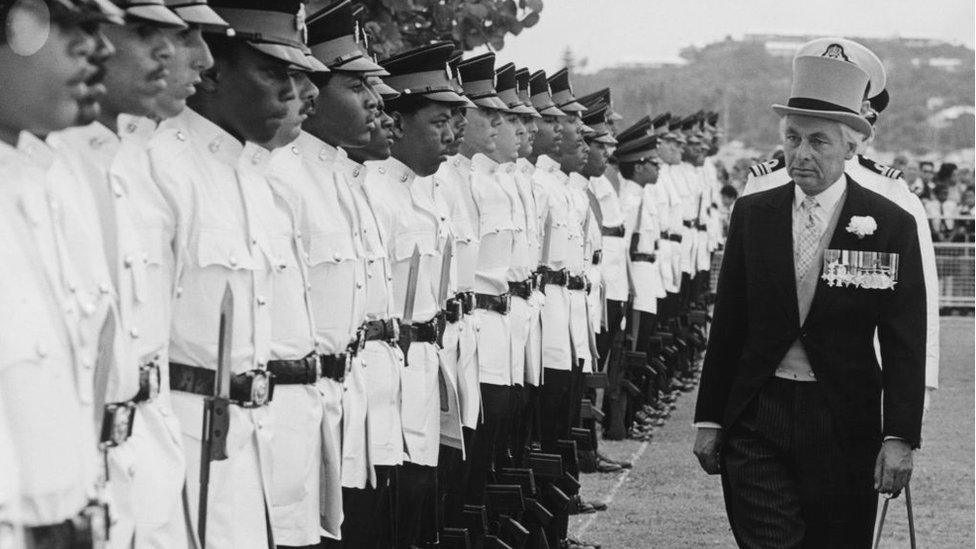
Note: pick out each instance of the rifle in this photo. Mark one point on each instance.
(216, 410)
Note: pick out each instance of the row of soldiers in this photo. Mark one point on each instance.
(261, 290)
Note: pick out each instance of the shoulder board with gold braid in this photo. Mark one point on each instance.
(767, 167)
(878, 167)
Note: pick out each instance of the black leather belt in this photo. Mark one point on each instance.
(522, 288)
(423, 332)
(467, 301)
(617, 231)
(643, 258)
(556, 278)
(251, 389)
(578, 282)
(381, 330)
(118, 416)
(688, 223)
(700, 226)
(597, 257)
(308, 369)
(500, 304)
(674, 237)
(664, 235)
(77, 532)
(453, 310)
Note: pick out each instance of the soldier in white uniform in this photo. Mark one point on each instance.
(156, 440)
(226, 221)
(102, 209)
(408, 221)
(306, 171)
(47, 401)
(879, 178)
(669, 146)
(369, 512)
(487, 129)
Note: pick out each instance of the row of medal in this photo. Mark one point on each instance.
(860, 269)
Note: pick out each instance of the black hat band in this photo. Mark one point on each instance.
(816, 105)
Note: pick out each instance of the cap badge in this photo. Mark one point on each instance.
(835, 51)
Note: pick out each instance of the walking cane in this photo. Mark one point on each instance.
(911, 518)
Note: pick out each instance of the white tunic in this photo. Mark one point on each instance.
(223, 213)
(307, 445)
(533, 237)
(408, 218)
(553, 203)
(45, 385)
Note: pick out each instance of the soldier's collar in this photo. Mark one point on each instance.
(32, 147)
(480, 162)
(137, 128)
(547, 164)
(394, 169)
(216, 141)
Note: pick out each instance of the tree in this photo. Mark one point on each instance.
(398, 25)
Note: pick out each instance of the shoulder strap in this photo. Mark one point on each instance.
(767, 167)
(878, 167)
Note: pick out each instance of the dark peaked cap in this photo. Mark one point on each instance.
(598, 98)
(596, 120)
(541, 95)
(273, 27)
(562, 92)
(102, 11)
(506, 86)
(423, 72)
(197, 12)
(522, 77)
(153, 11)
(477, 76)
(331, 39)
(660, 123)
(636, 150)
(635, 130)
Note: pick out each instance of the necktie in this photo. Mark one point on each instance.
(808, 236)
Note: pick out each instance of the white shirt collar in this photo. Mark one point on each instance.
(827, 199)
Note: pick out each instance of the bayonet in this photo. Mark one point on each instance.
(409, 300)
(546, 242)
(446, 255)
(216, 413)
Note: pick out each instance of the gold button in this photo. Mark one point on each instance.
(134, 333)
(41, 350)
(233, 261)
(214, 146)
(117, 190)
(294, 150)
(179, 291)
(180, 136)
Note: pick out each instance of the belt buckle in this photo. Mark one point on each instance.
(150, 380)
(117, 423)
(260, 388)
(395, 325)
(507, 303)
(91, 525)
(313, 367)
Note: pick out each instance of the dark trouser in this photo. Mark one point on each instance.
(615, 315)
(789, 482)
(369, 521)
(490, 445)
(524, 421)
(452, 473)
(416, 505)
(555, 407)
(667, 307)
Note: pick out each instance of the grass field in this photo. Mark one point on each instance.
(667, 502)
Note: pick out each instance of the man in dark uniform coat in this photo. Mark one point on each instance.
(790, 409)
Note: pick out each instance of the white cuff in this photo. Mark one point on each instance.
(706, 425)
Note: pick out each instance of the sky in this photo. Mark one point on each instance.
(612, 32)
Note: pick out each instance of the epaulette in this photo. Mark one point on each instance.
(767, 167)
(878, 167)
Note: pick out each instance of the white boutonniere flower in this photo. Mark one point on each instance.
(862, 225)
